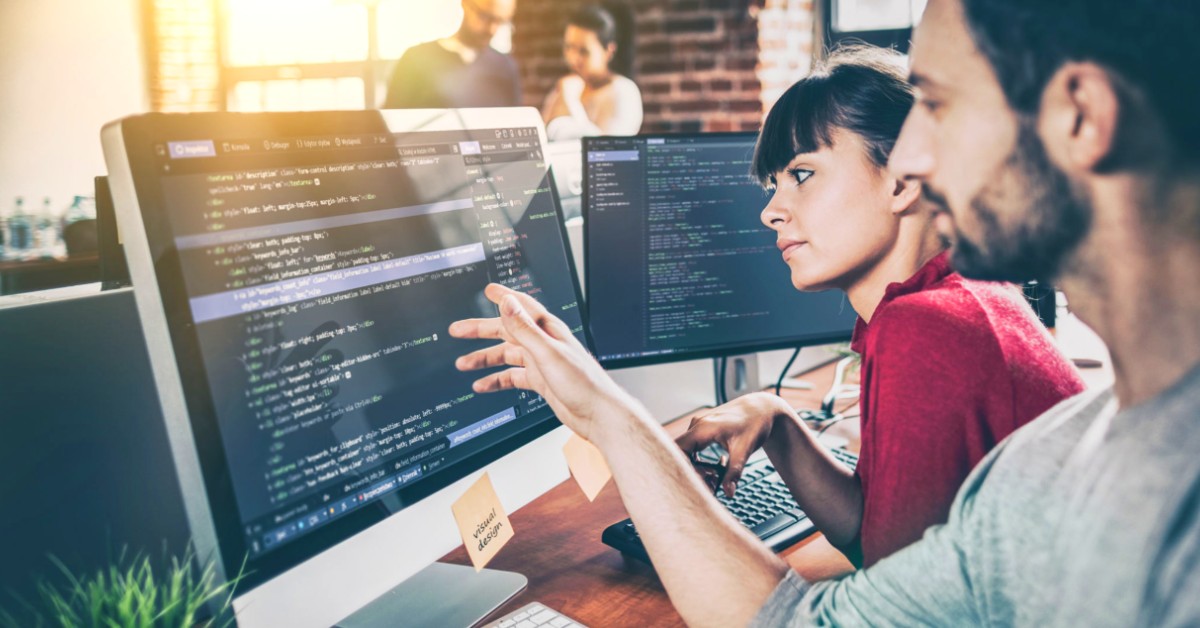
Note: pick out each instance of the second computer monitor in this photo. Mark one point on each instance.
(678, 264)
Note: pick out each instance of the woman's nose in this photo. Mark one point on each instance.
(774, 215)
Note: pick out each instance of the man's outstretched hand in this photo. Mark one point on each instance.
(673, 510)
(542, 355)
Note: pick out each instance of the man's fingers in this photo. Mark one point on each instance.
(550, 323)
(498, 355)
(520, 326)
(489, 328)
(508, 379)
(496, 293)
(556, 328)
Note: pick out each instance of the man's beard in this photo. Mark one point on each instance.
(1053, 219)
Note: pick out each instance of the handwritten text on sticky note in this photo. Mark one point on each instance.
(482, 522)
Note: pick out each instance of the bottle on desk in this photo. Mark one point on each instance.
(19, 232)
(77, 227)
(82, 208)
(47, 237)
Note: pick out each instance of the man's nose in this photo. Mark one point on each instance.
(912, 156)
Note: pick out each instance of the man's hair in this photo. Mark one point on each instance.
(860, 89)
(1150, 45)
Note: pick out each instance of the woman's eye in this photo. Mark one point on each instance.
(800, 175)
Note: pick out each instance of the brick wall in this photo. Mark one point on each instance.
(785, 40)
(697, 62)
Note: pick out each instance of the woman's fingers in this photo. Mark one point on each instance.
(694, 439)
(705, 431)
(710, 476)
(733, 473)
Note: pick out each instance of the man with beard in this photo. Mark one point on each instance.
(1060, 141)
(462, 70)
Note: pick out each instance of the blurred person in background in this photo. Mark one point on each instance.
(597, 97)
(462, 70)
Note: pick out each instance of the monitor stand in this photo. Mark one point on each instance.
(740, 376)
(440, 595)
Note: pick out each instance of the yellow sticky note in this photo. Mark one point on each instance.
(587, 465)
(482, 522)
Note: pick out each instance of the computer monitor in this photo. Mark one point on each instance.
(677, 263)
(295, 274)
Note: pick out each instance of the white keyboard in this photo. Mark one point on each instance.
(534, 615)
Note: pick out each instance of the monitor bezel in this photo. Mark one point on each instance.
(174, 348)
(787, 342)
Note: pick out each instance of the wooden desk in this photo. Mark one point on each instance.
(557, 546)
(557, 543)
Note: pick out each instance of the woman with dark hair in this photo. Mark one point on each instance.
(950, 366)
(597, 97)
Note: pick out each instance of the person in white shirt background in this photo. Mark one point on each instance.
(596, 97)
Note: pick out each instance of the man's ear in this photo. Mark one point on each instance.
(1079, 117)
(904, 194)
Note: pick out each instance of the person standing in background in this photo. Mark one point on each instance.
(462, 70)
(597, 97)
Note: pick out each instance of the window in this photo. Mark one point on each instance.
(280, 55)
(183, 68)
(886, 23)
(322, 54)
(852, 16)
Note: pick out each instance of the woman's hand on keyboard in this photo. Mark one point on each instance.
(740, 426)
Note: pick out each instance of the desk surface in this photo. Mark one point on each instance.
(557, 543)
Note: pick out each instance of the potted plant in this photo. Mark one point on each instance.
(129, 593)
